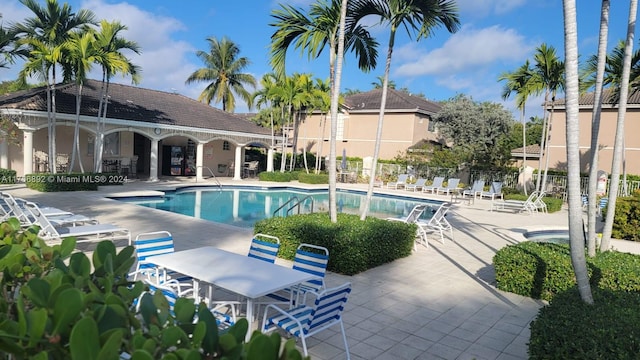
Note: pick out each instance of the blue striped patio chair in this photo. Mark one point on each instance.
(307, 320)
(147, 246)
(264, 247)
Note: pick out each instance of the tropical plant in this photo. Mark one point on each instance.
(224, 73)
(43, 35)
(572, 92)
(600, 66)
(619, 137)
(380, 82)
(265, 96)
(8, 48)
(419, 17)
(111, 45)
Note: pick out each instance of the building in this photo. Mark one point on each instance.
(147, 132)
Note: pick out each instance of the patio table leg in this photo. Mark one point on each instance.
(249, 318)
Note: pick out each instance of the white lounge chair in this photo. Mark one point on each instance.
(417, 185)
(82, 233)
(437, 183)
(529, 205)
(474, 190)
(494, 192)
(15, 207)
(438, 222)
(452, 186)
(400, 183)
(413, 218)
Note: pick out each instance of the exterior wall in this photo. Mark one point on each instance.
(557, 148)
(400, 130)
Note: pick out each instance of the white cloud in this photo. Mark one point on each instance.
(465, 51)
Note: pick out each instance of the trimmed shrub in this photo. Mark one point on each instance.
(626, 222)
(543, 270)
(354, 245)
(313, 178)
(275, 176)
(568, 328)
(7, 176)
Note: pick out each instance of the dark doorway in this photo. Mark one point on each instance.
(142, 151)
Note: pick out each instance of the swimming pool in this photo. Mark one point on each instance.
(556, 236)
(243, 206)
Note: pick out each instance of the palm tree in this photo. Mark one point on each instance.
(265, 96)
(322, 102)
(417, 16)
(619, 138)
(224, 72)
(518, 81)
(8, 48)
(312, 34)
(595, 128)
(111, 45)
(573, 152)
(380, 81)
(44, 34)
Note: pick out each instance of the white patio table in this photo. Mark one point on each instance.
(240, 274)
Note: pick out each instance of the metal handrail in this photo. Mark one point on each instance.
(285, 204)
(299, 203)
(212, 175)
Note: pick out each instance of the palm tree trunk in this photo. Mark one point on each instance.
(595, 130)
(52, 139)
(546, 160)
(524, 150)
(543, 142)
(335, 98)
(323, 124)
(576, 230)
(617, 147)
(76, 134)
(376, 149)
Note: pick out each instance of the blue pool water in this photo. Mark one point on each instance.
(243, 206)
(556, 236)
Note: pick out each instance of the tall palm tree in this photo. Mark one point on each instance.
(50, 27)
(311, 34)
(595, 128)
(619, 137)
(322, 102)
(111, 45)
(419, 17)
(8, 48)
(548, 77)
(572, 92)
(518, 82)
(265, 96)
(224, 73)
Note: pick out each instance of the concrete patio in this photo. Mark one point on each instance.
(438, 303)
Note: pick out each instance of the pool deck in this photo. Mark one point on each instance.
(438, 303)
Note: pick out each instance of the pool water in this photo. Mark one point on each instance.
(243, 206)
(556, 236)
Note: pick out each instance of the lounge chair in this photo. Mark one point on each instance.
(528, 205)
(417, 185)
(15, 207)
(494, 192)
(82, 233)
(412, 218)
(437, 182)
(438, 222)
(474, 190)
(401, 182)
(452, 186)
(56, 220)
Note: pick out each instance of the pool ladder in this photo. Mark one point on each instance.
(212, 175)
(296, 204)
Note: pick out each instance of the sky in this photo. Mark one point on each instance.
(496, 36)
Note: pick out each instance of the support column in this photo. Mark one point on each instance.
(153, 161)
(270, 159)
(199, 161)
(4, 154)
(27, 150)
(239, 164)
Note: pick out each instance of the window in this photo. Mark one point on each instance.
(112, 144)
(225, 145)
(340, 133)
(432, 126)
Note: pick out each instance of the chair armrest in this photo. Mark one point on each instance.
(279, 310)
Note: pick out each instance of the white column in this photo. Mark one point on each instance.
(4, 154)
(27, 150)
(153, 161)
(270, 159)
(239, 164)
(199, 160)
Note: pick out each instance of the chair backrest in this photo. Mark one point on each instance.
(438, 215)
(437, 181)
(415, 213)
(478, 185)
(312, 259)
(264, 247)
(421, 182)
(453, 183)
(327, 308)
(152, 244)
(253, 165)
(125, 161)
(14, 209)
(46, 228)
(496, 187)
(402, 178)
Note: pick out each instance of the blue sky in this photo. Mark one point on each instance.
(495, 36)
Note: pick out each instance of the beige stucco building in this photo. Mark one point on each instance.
(557, 143)
(407, 120)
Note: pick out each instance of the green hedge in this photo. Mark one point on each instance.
(568, 328)
(47, 182)
(313, 178)
(7, 176)
(543, 270)
(354, 245)
(278, 176)
(626, 222)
